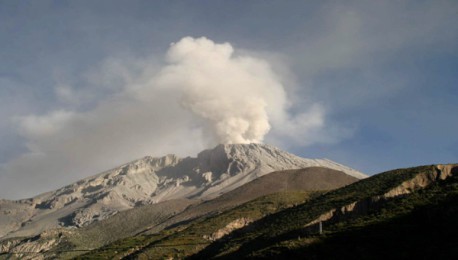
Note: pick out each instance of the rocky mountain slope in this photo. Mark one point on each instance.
(148, 181)
(154, 218)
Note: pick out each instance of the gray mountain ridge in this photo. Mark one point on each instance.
(147, 181)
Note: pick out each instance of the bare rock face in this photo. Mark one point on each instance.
(361, 207)
(237, 164)
(231, 226)
(150, 180)
(420, 181)
(32, 248)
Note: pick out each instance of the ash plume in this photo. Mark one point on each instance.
(206, 93)
(232, 94)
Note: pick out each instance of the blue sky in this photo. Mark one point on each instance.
(378, 77)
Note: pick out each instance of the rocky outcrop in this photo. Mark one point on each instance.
(361, 207)
(231, 226)
(420, 181)
(8, 245)
(348, 211)
(35, 247)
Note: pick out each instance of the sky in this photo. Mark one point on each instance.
(86, 86)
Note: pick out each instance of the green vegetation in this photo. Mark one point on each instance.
(188, 238)
(389, 226)
(423, 233)
(420, 225)
(379, 217)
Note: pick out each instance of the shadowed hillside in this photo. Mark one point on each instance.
(394, 214)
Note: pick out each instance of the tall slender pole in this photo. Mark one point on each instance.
(320, 227)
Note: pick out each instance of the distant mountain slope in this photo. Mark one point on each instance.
(150, 219)
(310, 179)
(147, 181)
(386, 200)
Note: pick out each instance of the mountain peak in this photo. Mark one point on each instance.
(154, 179)
(252, 150)
(241, 146)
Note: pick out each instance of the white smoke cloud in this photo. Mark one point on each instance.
(204, 94)
(231, 93)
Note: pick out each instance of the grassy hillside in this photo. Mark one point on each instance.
(389, 227)
(426, 232)
(188, 238)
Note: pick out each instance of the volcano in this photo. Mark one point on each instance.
(152, 180)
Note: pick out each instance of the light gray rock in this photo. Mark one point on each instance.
(150, 180)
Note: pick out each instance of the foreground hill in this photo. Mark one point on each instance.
(403, 213)
(151, 219)
(148, 181)
(398, 214)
